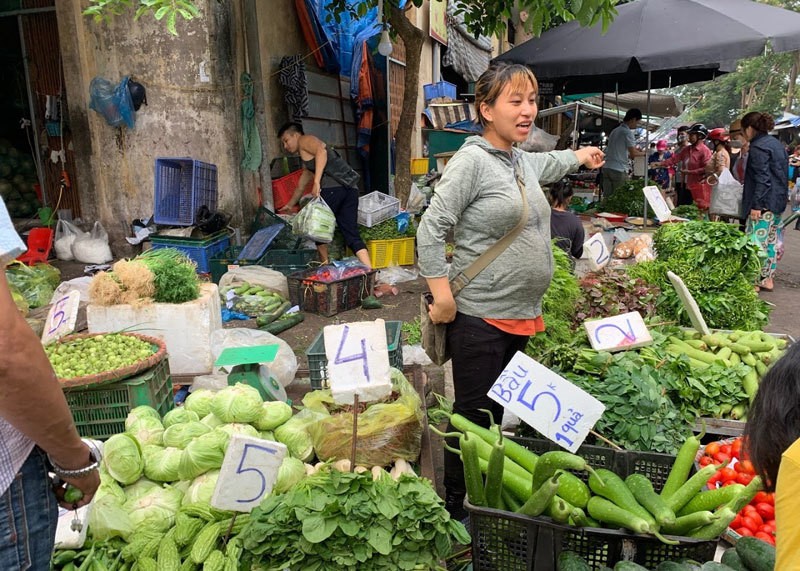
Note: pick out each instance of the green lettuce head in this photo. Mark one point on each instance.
(179, 435)
(211, 421)
(178, 416)
(273, 414)
(155, 510)
(161, 464)
(239, 403)
(204, 453)
(147, 430)
(122, 458)
(199, 402)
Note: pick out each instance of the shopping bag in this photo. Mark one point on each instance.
(726, 196)
(315, 221)
(434, 335)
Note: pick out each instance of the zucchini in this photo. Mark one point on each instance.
(642, 490)
(682, 465)
(549, 462)
(540, 499)
(711, 499)
(571, 561)
(517, 452)
(472, 470)
(613, 488)
(605, 511)
(494, 472)
(732, 560)
(283, 323)
(692, 486)
(558, 510)
(684, 525)
(757, 555)
(573, 489)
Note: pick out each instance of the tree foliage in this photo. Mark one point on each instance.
(166, 10)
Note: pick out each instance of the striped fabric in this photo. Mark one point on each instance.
(14, 446)
(292, 76)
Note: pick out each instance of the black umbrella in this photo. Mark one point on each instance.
(658, 43)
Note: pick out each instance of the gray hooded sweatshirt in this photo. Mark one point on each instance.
(479, 197)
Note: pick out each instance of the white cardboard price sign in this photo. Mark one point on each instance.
(619, 332)
(549, 403)
(62, 317)
(358, 361)
(599, 255)
(657, 203)
(248, 473)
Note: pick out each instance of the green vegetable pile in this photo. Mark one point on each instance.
(352, 521)
(35, 284)
(718, 264)
(175, 275)
(689, 211)
(628, 199)
(97, 354)
(386, 230)
(604, 294)
(412, 334)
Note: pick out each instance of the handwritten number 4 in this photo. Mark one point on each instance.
(362, 356)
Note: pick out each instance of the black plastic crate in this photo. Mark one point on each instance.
(329, 298)
(505, 541)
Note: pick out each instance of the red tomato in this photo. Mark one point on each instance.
(736, 448)
(727, 474)
(712, 448)
(766, 511)
(756, 518)
(730, 483)
(721, 457)
(743, 531)
(765, 537)
(725, 449)
(767, 528)
(715, 478)
(750, 523)
(745, 467)
(706, 460)
(737, 522)
(744, 478)
(761, 497)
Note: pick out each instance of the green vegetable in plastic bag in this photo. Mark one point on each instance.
(161, 464)
(122, 458)
(19, 301)
(36, 283)
(386, 430)
(273, 414)
(179, 415)
(239, 403)
(315, 221)
(180, 435)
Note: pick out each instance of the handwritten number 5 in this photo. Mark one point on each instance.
(241, 470)
(532, 404)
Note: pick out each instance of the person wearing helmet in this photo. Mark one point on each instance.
(694, 158)
(661, 175)
(721, 157)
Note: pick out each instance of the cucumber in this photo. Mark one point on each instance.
(573, 489)
(606, 511)
(558, 510)
(614, 489)
(642, 490)
(571, 561)
(672, 566)
(757, 555)
(284, 323)
(628, 566)
(732, 560)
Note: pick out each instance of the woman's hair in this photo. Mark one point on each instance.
(761, 122)
(559, 194)
(492, 82)
(773, 422)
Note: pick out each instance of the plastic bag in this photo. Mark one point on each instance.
(282, 368)
(92, 247)
(36, 283)
(726, 196)
(386, 430)
(396, 275)
(539, 141)
(315, 221)
(255, 275)
(416, 200)
(113, 102)
(81, 285)
(66, 233)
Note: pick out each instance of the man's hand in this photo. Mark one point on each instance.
(86, 484)
(443, 311)
(286, 208)
(590, 157)
(315, 190)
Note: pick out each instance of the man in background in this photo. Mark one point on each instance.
(620, 150)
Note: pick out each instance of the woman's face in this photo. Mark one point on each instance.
(749, 133)
(510, 117)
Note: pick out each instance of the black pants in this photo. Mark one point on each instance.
(684, 196)
(480, 352)
(344, 203)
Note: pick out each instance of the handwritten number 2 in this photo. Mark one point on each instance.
(629, 335)
(362, 356)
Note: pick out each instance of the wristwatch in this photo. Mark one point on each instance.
(94, 463)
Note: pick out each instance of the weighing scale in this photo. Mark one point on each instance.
(249, 365)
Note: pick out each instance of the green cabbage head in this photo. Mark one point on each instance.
(147, 430)
(201, 489)
(140, 412)
(239, 403)
(122, 458)
(199, 402)
(156, 509)
(179, 435)
(273, 414)
(204, 453)
(161, 464)
(178, 416)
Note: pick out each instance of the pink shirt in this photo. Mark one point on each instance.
(695, 157)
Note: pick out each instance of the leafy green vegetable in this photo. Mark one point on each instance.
(628, 199)
(122, 458)
(239, 403)
(199, 401)
(386, 230)
(156, 508)
(175, 275)
(411, 332)
(147, 430)
(161, 464)
(612, 293)
(273, 414)
(689, 211)
(334, 519)
(178, 416)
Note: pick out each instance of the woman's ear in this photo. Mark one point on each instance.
(486, 111)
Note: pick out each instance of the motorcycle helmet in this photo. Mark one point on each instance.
(718, 134)
(699, 129)
(138, 94)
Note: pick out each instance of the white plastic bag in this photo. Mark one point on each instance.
(539, 141)
(394, 275)
(726, 196)
(315, 221)
(283, 368)
(81, 285)
(416, 200)
(66, 233)
(255, 275)
(92, 248)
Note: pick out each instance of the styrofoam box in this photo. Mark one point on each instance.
(184, 327)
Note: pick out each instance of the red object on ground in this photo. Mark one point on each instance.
(40, 242)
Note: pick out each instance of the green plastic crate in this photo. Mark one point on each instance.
(285, 239)
(285, 261)
(99, 410)
(318, 362)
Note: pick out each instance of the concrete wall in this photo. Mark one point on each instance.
(193, 106)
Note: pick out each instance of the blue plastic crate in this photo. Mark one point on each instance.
(182, 186)
(199, 252)
(439, 89)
